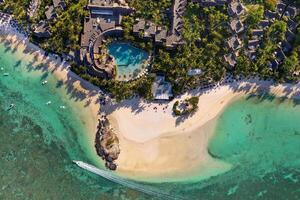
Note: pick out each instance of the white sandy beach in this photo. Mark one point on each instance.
(157, 147)
(154, 144)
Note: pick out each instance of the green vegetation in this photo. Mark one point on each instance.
(153, 10)
(18, 8)
(188, 106)
(119, 90)
(65, 30)
(205, 32)
(256, 13)
(176, 111)
(270, 4)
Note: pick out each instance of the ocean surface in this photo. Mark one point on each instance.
(258, 135)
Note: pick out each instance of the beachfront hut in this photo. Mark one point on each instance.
(230, 59)
(41, 30)
(161, 89)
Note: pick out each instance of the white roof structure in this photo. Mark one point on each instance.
(161, 89)
(193, 72)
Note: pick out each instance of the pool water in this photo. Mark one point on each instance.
(129, 59)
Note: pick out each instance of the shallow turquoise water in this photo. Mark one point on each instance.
(258, 136)
(129, 59)
(39, 142)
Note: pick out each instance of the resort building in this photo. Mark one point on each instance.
(281, 8)
(271, 15)
(50, 13)
(234, 43)
(150, 30)
(291, 12)
(209, 3)
(253, 44)
(279, 55)
(257, 33)
(139, 26)
(286, 46)
(290, 36)
(236, 8)
(273, 64)
(230, 59)
(236, 26)
(161, 89)
(264, 23)
(292, 25)
(104, 20)
(41, 30)
(59, 4)
(160, 35)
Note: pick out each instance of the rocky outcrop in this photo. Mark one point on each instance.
(107, 143)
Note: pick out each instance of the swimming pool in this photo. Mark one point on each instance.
(128, 58)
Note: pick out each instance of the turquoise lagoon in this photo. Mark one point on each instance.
(259, 136)
(129, 59)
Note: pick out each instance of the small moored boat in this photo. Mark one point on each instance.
(11, 106)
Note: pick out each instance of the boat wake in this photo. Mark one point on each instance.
(135, 186)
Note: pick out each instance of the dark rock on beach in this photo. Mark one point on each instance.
(107, 143)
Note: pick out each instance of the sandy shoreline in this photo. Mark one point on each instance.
(155, 145)
(84, 92)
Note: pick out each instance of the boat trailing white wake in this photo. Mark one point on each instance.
(126, 183)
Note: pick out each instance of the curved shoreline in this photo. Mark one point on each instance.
(156, 146)
(168, 151)
(84, 94)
